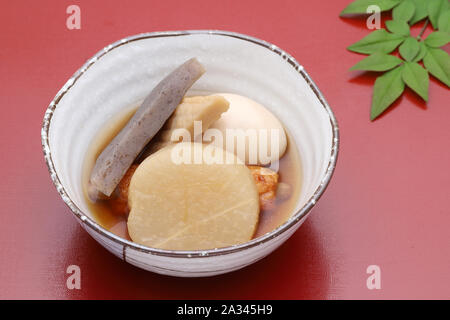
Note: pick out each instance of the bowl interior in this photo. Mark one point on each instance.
(124, 75)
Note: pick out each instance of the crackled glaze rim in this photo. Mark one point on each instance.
(90, 223)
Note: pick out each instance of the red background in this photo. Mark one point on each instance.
(386, 205)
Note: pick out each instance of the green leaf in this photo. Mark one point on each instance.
(387, 89)
(437, 62)
(421, 11)
(404, 11)
(444, 21)
(409, 49)
(377, 62)
(437, 39)
(377, 41)
(422, 52)
(399, 27)
(416, 78)
(360, 6)
(435, 8)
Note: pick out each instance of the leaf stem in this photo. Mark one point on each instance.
(419, 37)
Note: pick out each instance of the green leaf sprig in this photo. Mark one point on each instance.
(407, 70)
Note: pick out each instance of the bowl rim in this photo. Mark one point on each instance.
(85, 220)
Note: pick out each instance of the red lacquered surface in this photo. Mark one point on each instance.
(386, 205)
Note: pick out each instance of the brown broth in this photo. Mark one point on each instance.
(105, 212)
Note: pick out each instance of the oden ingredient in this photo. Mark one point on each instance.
(191, 206)
(120, 201)
(247, 116)
(206, 109)
(118, 156)
(266, 181)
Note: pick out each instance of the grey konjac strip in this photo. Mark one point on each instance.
(121, 152)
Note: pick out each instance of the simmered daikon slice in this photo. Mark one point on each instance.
(191, 206)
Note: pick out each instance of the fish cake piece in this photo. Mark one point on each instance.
(206, 109)
(120, 202)
(266, 181)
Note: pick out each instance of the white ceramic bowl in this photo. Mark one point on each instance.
(124, 72)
